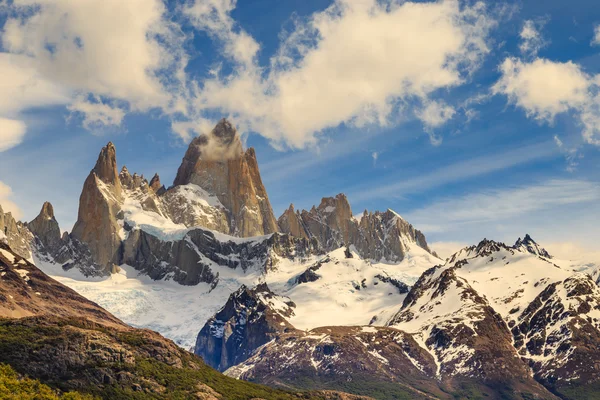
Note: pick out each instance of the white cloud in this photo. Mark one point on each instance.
(64, 51)
(22, 86)
(109, 57)
(7, 204)
(328, 72)
(11, 133)
(214, 17)
(106, 47)
(435, 114)
(573, 251)
(375, 156)
(596, 38)
(553, 211)
(545, 88)
(97, 113)
(531, 38)
(186, 130)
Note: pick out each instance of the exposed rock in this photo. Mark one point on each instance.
(188, 259)
(370, 358)
(46, 229)
(99, 205)
(249, 319)
(559, 334)
(51, 333)
(156, 186)
(378, 236)
(467, 337)
(529, 245)
(218, 164)
(291, 222)
(16, 234)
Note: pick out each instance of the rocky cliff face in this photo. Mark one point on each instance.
(99, 205)
(249, 319)
(378, 236)
(191, 258)
(218, 164)
(218, 187)
(15, 234)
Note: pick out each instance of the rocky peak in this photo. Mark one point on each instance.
(220, 145)
(106, 165)
(487, 247)
(291, 222)
(15, 234)
(99, 204)
(376, 236)
(45, 227)
(47, 211)
(217, 163)
(227, 136)
(126, 178)
(527, 244)
(155, 184)
(249, 319)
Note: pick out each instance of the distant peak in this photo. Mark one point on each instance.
(155, 182)
(527, 244)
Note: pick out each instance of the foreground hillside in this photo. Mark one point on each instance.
(50, 333)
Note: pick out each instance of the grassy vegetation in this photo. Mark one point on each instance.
(29, 346)
(361, 385)
(13, 387)
(587, 392)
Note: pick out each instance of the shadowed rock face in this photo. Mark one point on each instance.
(249, 319)
(218, 164)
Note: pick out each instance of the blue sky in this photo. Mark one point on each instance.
(470, 119)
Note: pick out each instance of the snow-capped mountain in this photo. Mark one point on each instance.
(318, 298)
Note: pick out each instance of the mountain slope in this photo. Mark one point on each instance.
(50, 333)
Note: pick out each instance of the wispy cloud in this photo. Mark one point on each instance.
(456, 172)
(491, 206)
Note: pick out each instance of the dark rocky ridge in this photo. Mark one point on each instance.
(249, 319)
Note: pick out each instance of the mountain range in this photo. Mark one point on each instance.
(319, 299)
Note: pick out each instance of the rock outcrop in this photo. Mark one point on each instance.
(16, 234)
(249, 319)
(218, 187)
(217, 163)
(99, 205)
(378, 236)
(46, 229)
(189, 259)
(530, 245)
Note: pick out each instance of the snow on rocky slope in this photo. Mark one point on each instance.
(347, 291)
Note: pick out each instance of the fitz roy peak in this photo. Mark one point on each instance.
(218, 187)
(217, 190)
